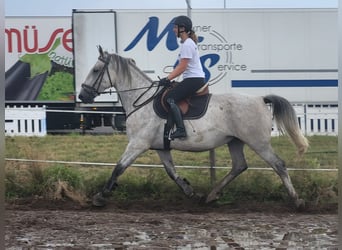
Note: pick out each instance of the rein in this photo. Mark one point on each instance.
(95, 91)
(128, 90)
(138, 106)
(135, 105)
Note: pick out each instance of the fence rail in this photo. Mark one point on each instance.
(80, 163)
(31, 121)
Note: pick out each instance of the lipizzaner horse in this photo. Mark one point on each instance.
(232, 119)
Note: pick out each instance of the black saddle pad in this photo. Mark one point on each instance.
(198, 106)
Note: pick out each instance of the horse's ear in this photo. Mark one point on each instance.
(132, 61)
(100, 50)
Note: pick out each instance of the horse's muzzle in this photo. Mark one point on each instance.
(87, 94)
(85, 98)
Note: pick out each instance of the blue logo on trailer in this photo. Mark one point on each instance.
(153, 39)
(216, 66)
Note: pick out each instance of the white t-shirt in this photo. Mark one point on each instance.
(189, 50)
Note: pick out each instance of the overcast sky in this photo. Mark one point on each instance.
(64, 7)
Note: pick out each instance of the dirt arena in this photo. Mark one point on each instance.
(64, 225)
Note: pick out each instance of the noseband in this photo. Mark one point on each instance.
(91, 90)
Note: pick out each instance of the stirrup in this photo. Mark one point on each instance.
(179, 133)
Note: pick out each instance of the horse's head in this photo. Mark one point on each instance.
(98, 79)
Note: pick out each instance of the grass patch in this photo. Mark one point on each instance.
(77, 182)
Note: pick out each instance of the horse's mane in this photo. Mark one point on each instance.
(123, 64)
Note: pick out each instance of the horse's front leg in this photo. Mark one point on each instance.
(133, 150)
(166, 158)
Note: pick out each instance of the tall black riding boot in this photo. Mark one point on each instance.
(177, 117)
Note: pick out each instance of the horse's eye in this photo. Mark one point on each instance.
(95, 70)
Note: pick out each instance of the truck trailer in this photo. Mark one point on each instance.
(288, 52)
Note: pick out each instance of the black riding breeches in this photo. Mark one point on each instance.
(185, 88)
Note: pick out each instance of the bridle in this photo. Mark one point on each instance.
(91, 90)
(94, 91)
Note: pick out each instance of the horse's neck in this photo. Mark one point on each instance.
(139, 82)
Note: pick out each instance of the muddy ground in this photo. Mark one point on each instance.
(38, 224)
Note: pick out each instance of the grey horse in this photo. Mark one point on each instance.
(231, 119)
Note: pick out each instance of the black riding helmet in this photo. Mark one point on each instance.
(183, 21)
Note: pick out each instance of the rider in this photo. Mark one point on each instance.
(190, 66)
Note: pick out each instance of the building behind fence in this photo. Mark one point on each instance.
(313, 120)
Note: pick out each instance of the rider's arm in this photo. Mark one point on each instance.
(180, 68)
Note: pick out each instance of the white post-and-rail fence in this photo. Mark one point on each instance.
(313, 120)
(25, 121)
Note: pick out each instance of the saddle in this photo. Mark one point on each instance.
(193, 107)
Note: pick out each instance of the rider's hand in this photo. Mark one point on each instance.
(164, 82)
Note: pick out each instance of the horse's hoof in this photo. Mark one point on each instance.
(189, 192)
(300, 205)
(211, 198)
(99, 200)
(200, 198)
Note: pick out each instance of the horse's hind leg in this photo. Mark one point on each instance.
(278, 165)
(166, 158)
(239, 165)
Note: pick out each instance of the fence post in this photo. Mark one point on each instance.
(212, 158)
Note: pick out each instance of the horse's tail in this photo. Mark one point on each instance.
(286, 119)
